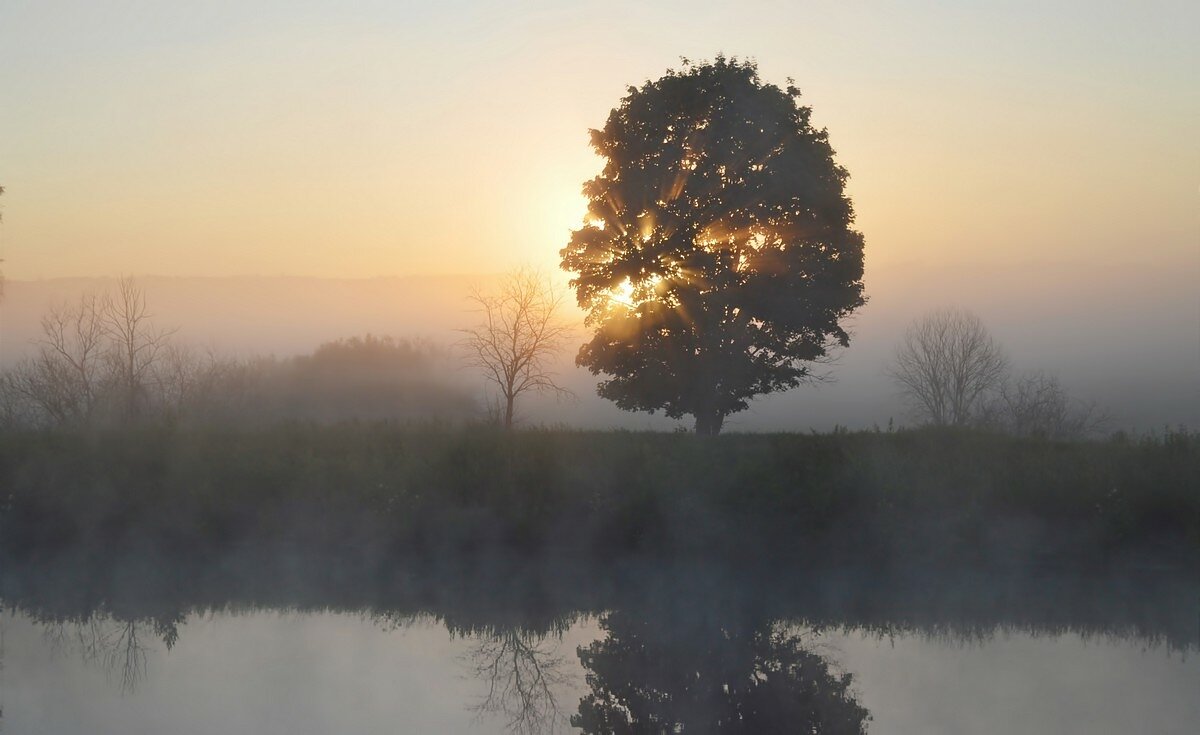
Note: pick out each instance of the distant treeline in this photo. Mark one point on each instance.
(357, 378)
(101, 361)
(88, 374)
(387, 492)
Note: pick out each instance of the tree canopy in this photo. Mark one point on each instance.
(717, 260)
(691, 674)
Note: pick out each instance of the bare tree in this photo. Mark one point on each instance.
(116, 645)
(63, 382)
(203, 385)
(100, 355)
(135, 344)
(945, 364)
(1036, 404)
(522, 673)
(71, 354)
(518, 337)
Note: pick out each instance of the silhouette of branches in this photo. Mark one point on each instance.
(945, 364)
(522, 673)
(517, 338)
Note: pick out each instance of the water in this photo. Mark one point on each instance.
(473, 650)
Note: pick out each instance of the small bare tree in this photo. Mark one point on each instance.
(518, 337)
(97, 358)
(65, 379)
(1036, 404)
(135, 344)
(945, 365)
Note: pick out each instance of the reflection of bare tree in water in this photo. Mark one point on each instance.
(118, 646)
(522, 671)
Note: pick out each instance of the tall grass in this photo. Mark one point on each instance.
(386, 490)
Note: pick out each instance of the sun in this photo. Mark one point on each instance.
(624, 294)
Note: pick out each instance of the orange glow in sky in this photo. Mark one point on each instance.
(307, 139)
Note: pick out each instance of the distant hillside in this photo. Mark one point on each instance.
(1127, 337)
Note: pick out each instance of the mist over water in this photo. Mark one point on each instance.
(448, 577)
(515, 647)
(893, 312)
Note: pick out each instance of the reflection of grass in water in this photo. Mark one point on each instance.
(383, 489)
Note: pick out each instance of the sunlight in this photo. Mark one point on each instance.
(623, 294)
(646, 222)
(626, 295)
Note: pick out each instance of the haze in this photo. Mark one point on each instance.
(1037, 165)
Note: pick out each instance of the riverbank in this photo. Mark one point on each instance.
(380, 492)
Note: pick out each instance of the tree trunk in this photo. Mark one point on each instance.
(708, 423)
(508, 411)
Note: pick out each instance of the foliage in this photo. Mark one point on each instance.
(718, 259)
(689, 673)
(367, 378)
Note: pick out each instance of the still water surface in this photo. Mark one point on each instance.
(649, 665)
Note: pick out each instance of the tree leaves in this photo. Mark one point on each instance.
(723, 212)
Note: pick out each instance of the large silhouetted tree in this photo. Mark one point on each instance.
(718, 259)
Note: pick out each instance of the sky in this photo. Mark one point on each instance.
(1035, 162)
(360, 139)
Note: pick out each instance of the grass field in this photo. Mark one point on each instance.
(389, 491)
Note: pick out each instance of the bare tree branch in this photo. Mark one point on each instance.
(135, 344)
(1036, 404)
(518, 337)
(101, 352)
(522, 673)
(945, 365)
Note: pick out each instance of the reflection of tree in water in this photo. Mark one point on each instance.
(118, 645)
(522, 671)
(668, 675)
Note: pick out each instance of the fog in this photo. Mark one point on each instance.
(1126, 337)
(278, 279)
(939, 653)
